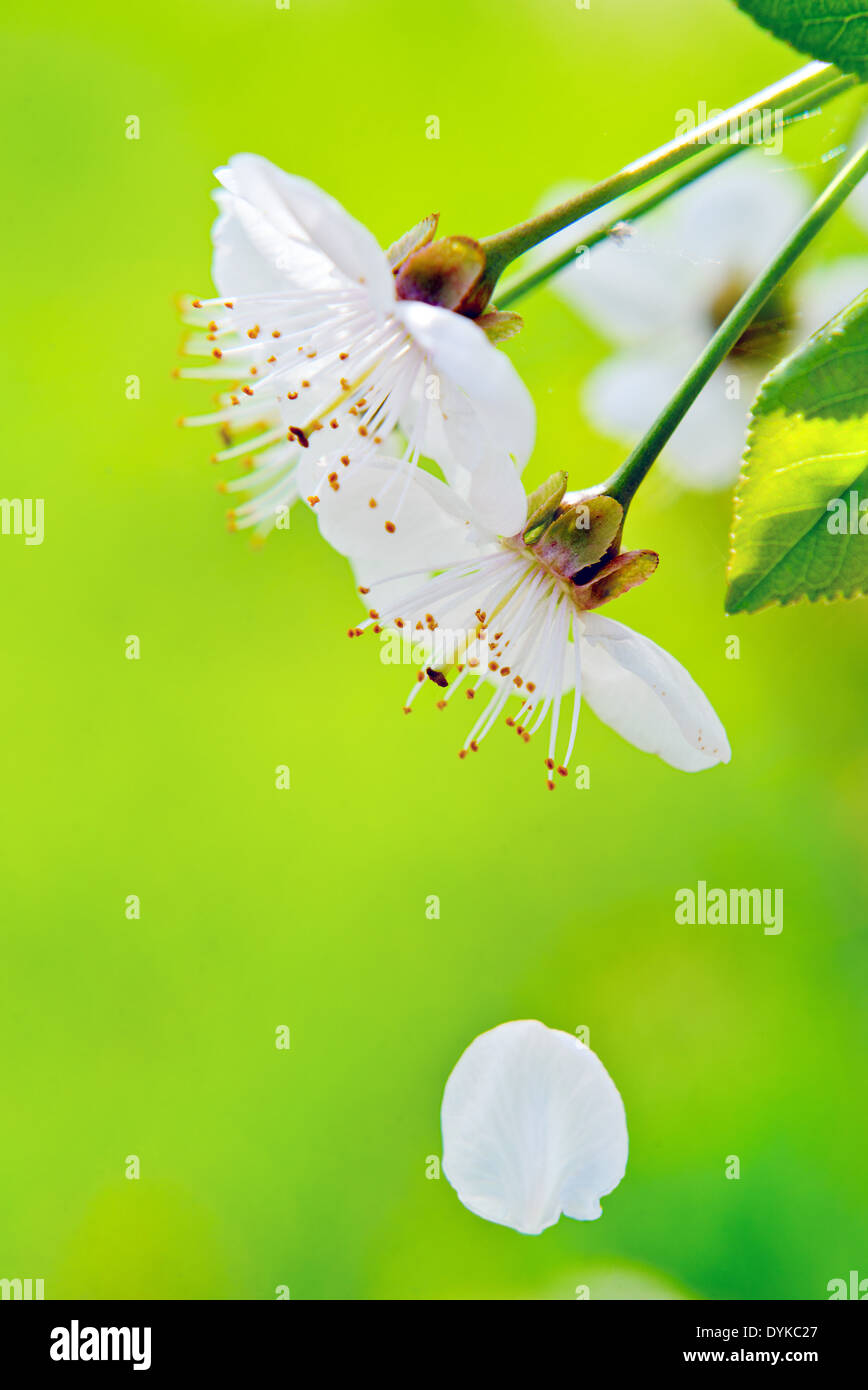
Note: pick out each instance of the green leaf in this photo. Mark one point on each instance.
(797, 523)
(834, 30)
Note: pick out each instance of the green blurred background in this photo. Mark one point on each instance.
(306, 907)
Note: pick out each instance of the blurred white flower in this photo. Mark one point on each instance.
(487, 615)
(858, 199)
(328, 355)
(533, 1126)
(659, 290)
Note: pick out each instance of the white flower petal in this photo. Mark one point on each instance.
(625, 395)
(737, 216)
(241, 264)
(287, 218)
(705, 452)
(269, 244)
(643, 693)
(827, 289)
(459, 350)
(667, 272)
(493, 491)
(533, 1126)
(857, 203)
(433, 528)
(858, 200)
(481, 409)
(634, 287)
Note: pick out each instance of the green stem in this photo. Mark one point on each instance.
(506, 246)
(696, 170)
(624, 482)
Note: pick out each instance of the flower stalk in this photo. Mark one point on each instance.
(695, 170)
(504, 247)
(624, 482)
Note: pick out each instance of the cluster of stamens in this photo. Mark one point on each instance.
(490, 656)
(350, 375)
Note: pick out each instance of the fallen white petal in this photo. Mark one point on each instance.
(533, 1126)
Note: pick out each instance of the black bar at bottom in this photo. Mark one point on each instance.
(211, 1338)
